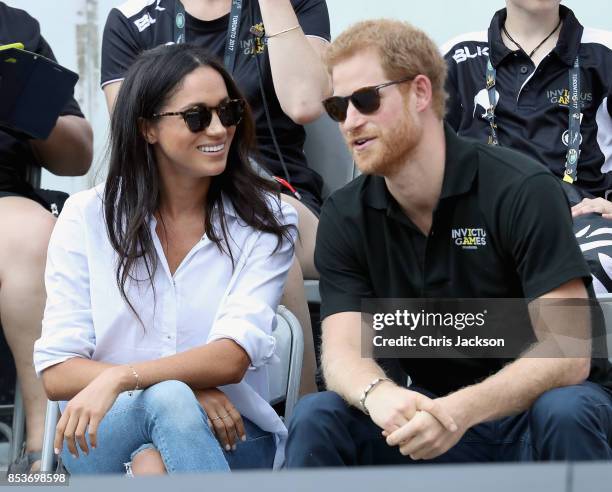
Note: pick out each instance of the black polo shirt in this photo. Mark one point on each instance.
(140, 25)
(368, 248)
(532, 111)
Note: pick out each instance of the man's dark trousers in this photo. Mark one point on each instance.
(572, 423)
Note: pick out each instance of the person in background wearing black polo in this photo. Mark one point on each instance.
(387, 234)
(537, 49)
(26, 222)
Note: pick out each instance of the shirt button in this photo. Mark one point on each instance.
(524, 69)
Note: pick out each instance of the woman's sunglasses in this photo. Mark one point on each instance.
(366, 100)
(198, 118)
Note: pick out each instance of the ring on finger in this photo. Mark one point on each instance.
(218, 417)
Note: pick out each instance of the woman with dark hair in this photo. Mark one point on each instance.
(273, 50)
(163, 285)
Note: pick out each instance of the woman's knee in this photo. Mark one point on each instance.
(307, 228)
(147, 461)
(172, 399)
(25, 230)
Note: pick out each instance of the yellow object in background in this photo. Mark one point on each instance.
(18, 46)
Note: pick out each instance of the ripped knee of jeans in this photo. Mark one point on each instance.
(128, 465)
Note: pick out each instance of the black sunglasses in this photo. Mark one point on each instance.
(366, 100)
(198, 118)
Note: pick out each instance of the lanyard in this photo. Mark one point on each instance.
(231, 43)
(575, 116)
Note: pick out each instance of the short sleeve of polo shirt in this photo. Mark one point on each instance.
(120, 47)
(343, 280)
(540, 235)
(313, 17)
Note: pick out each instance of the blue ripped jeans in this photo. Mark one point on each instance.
(168, 417)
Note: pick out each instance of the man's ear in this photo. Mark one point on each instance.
(421, 85)
(147, 130)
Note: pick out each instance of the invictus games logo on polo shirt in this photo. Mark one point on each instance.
(562, 97)
(469, 237)
(255, 45)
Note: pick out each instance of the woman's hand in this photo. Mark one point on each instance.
(223, 417)
(86, 410)
(593, 205)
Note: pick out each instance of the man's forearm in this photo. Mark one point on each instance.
(68, 150)
(346, 372)
(349, 376)
(515, 388)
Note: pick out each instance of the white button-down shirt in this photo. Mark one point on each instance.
(205, 300)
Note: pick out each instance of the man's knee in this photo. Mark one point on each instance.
(572, 423)
(317, 411)
(565, 409)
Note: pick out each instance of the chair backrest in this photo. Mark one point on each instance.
(285, 379)
(605, 301)
(328, 155)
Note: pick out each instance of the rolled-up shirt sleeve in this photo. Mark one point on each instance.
(247, 313)
(67, 328)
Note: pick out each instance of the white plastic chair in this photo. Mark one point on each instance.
(284, 383)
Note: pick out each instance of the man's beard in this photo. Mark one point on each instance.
(395, 147)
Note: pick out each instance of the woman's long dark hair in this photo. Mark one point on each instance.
(132, 191)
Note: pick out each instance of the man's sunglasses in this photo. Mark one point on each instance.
(198, 118)
(366, 100)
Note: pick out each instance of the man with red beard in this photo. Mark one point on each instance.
(436, 216)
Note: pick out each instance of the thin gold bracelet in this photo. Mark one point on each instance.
(131, 392)
(283, 31)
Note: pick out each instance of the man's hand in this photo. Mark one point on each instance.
(424, 437)
(593, 205)
(391, 407)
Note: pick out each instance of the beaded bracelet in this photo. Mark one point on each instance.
(367, 391)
